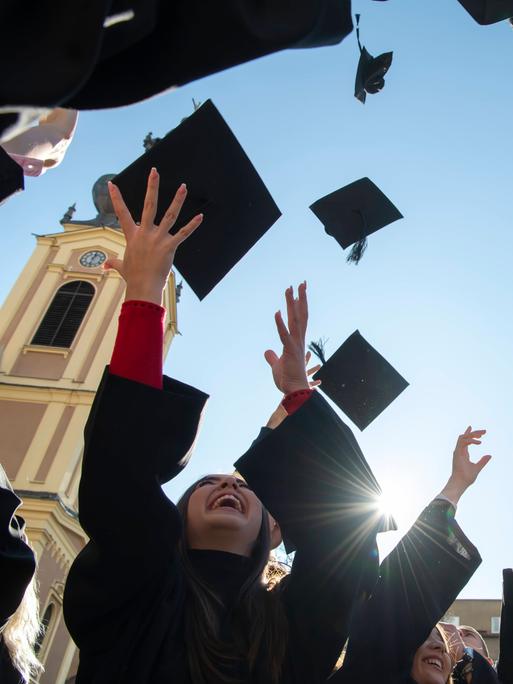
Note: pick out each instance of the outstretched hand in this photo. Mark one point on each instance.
(289, 370)
(150, 248)
(464, 471)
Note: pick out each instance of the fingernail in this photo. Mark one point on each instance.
(182, 188)
(153, 171)
(199, 217)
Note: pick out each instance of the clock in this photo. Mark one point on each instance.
(92, 259)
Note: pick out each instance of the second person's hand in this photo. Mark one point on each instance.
(289, 370)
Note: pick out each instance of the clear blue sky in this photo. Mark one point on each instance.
(434, 291)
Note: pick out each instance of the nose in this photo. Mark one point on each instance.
(437, 646)
(229, 481)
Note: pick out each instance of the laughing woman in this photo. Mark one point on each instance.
(166, 594)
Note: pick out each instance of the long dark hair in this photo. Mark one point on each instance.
(259, 624)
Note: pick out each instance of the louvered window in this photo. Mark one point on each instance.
(64, 315)
(45, 622)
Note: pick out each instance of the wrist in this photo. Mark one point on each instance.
(148, 293)
(454, 490)
(296, 386)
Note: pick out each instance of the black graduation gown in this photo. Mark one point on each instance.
(70, 59)
(482, 672)
(125, 593)
(17, 567)
(505, 664)
(418, 582)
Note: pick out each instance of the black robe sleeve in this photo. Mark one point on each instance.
(311, 475)
(505, 665)
(136, 438)
(418, 582)
(17, 562)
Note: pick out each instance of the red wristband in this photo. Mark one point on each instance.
(291, 402)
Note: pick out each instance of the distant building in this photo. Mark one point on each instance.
(483, 615)
(57, 330)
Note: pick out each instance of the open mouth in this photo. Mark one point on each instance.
(227, 501)
(434, 662)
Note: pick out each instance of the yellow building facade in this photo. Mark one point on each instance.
(57, 330)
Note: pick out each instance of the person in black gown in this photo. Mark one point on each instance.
(171, 594)
(396, 639)
(19, 615)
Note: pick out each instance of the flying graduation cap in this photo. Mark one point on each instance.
(488, 11)
(11, 176)
(358, 379)
(222, 184)
(371, 70)
(354, 212)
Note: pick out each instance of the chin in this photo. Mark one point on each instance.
(428, 675)
(226, 518)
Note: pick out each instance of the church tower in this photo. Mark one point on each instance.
(57, 331)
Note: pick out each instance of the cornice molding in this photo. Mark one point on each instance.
(17, 391)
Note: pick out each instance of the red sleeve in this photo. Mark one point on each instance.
(295, 400)
(139, 346)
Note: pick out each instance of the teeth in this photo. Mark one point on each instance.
(227, 497)
(436, 663)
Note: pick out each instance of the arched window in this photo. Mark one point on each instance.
(64, 315)
(44, 627)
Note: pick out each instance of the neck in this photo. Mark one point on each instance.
(221, 542)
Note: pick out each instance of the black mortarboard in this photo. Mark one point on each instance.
(353, 212)
(11, 176)
(371, 70)
(488, 11)
(222, 183)
(358, 380)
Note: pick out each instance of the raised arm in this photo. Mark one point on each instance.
(311, 475)
(418, 581)
(137, 437)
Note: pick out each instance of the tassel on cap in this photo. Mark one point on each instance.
(360, 246)
(317, 348)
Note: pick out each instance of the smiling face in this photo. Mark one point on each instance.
(432, 663)
(223, 514)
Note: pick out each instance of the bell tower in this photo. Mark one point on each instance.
(57, 330)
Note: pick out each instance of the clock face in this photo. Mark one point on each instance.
(92, 259)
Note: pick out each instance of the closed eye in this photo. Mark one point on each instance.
(206, 481)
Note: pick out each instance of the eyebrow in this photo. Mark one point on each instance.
(216, 478)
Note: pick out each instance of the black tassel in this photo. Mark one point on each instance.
(357, 17)
(357, 251)
(359, 247)
(317, 348)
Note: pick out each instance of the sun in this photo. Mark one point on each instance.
(385, 504)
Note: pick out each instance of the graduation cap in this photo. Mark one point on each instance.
(353, 212)
(11, 176)
(358, 379)
(488, 11)
(222, 184)
(371, 70)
